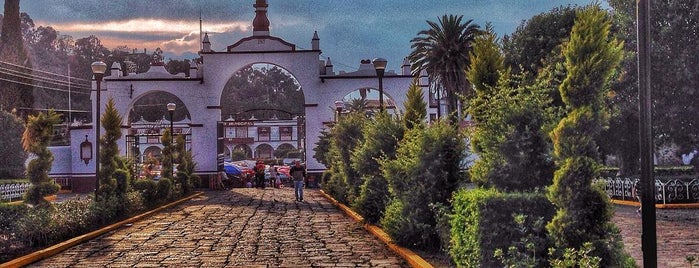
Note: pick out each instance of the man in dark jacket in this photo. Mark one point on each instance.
(298, 173)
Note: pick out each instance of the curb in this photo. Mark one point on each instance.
(58, 248)
(413, 259)
(660, 206)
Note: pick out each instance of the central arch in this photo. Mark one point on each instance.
(262, 106)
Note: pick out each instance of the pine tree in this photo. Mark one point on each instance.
(12, 156)
(109, 150)
(583, 211)
(36, 139)
(415, 107)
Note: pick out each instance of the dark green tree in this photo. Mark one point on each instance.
(583, 212)
(35, 140)
(415, 107)
(424, 174)
(346, 135)
(178, 66)
(169, 154)
(321, 152)
(12, 155)
(366, 159)
(443, 51)
(674, 82)
(17, 90)
(263, 92)
(535, 39)
(111, 184)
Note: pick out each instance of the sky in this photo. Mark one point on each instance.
(349, 30)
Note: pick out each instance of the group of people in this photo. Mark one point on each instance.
(297, 172)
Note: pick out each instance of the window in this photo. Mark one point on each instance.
(241, 132)
(285, 133)
(263, 133)
(230, 132)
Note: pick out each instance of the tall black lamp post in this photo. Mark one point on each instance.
(171, 110)
(98, 69)
(380, 66)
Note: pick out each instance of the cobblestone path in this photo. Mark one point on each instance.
(677, 233)
(237, 228)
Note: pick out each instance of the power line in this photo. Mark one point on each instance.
(36, 78)
(36, 70)
(39, 86)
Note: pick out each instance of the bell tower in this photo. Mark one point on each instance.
(260, 25)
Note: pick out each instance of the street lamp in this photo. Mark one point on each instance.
(339, 106)
(98, 69)
(171, 109)
(86, 151)
(380, 66)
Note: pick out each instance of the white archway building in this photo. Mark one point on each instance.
(201, 94)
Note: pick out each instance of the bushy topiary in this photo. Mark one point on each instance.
(385, 133)
(36, 139)
(584, 213)
(148, 189)
(164, 189)
(346, 135)
(426, 171)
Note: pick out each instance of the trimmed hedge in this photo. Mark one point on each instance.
(483, 221)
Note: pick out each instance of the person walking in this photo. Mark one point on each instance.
(298, 172)
(274, 177)
(260, 174)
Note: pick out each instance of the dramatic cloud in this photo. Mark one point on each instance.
(350, 30)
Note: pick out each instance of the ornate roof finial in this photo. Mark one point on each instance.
(260, 25)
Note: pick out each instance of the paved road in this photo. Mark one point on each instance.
(241, 227)
(677, 232)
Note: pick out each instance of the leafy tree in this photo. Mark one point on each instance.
(415, 108)
(109, 151)
(425, 173)
(86, 51)
(17, 90)
(366, 159)
(345, 136)
(674, 85)
(35, 140)
(583, 212)
(178, 66)
(443, 51)
(508, 135)
(12, 155)
(257, 89)
(535, 39)
(322, 148)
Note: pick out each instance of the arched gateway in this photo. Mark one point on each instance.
(209, 131)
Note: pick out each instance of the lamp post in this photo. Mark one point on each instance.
(98, 69)
(380, 66)
(171, 109)
(339, 106)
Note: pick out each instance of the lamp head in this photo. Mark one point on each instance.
(98, 67)
(380, 63)
(171, 106)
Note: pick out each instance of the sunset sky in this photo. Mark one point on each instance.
(349, 30)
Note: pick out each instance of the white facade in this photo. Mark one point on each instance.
(202, 92)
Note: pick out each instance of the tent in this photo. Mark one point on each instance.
(230, 168)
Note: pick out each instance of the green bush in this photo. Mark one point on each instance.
(485, 221)
(148, 189)
(373, 198)
(425, 173)
(165, 189)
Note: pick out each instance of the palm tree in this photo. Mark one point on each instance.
(443, 51)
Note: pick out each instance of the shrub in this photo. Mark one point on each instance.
(148, 189)
(425, 172)
(373, 197)
(165, 189)
(36, 139)
(485, 221)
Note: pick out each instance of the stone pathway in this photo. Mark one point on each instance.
(677, 232)
(239, 228)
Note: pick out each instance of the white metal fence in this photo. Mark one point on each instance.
(13, 191)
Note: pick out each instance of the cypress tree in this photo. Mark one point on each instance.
(415, 107)
(583, 212)
(18, 92)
